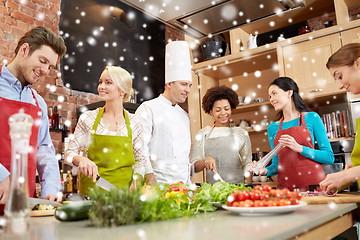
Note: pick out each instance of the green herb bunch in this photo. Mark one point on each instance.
(218, 192)
(120, 206)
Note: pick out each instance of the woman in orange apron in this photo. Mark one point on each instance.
(111, 135)
(344, 66)
(298, 165)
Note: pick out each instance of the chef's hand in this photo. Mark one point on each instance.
(334, 180)
(263, 171)
(4, 190)
(210, 163)
(53, 197)
(289, 141)
(86, 166)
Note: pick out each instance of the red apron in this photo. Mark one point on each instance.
(8, 108)
(295, 170)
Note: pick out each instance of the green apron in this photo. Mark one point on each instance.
(355, 155)
(114, 156)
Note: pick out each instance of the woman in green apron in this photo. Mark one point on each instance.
(221, 148)
(344, 66)
(111, 135)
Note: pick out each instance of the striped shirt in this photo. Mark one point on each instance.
(81, 137)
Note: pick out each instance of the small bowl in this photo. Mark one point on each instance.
(256, 178)
(263, 178)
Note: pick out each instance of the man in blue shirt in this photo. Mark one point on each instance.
(37, 52)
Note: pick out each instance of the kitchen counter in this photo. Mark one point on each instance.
(310, 222)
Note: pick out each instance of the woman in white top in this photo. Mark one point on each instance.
(220, 148)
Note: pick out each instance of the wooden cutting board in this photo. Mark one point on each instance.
(41, 213)
(339, 198)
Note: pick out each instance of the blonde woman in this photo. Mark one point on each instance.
(113, 136)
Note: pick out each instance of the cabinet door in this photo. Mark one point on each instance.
(351, 36)
(305, 62)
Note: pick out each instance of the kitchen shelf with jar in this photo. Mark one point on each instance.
(251, 71)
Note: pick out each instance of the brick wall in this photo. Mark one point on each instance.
(173, 34)
(16, 18)
(19, 16)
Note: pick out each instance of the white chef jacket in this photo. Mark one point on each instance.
(167, 137)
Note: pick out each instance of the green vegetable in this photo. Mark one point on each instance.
(73, 211)
(217, 192)
(120, 206)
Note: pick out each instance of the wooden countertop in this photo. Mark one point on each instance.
(307, 222)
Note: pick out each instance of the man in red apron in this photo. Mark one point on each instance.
(36, 53)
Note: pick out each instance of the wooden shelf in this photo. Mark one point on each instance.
(251, 107)
(340, 139)
(263, 57)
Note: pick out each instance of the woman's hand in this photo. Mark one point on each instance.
(86, 166)
(136, 182)
(263, 171)
(347, 166)
(334, 180)
(210, 163)
(289, 141)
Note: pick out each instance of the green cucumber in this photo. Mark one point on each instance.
(73, 211)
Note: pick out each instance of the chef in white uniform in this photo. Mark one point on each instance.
(166, 125)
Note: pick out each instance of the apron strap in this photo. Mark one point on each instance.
(32, 91)
(98, 117)
(127, 121)
(301, 121)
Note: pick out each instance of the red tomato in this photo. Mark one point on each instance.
(231, 198)
(258, 203)
(248, 203)
(267, 188)
(175, 188)
(243, 195)
(271, 203)
(237, 191)
(295, 201)
(258, 188)
(284, 202)
(264, 196)
(254, 195)
(285, 191)
(236, 204)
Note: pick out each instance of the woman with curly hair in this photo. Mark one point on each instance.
(220, 148)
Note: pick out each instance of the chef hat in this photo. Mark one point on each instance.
(177, 62)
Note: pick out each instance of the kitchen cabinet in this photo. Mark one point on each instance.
(305, 62)
(250, 72)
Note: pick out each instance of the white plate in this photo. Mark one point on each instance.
(216, 204)
(254, 211)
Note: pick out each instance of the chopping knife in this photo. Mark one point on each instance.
(104, 184)
(34, 201)
(217, 176)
